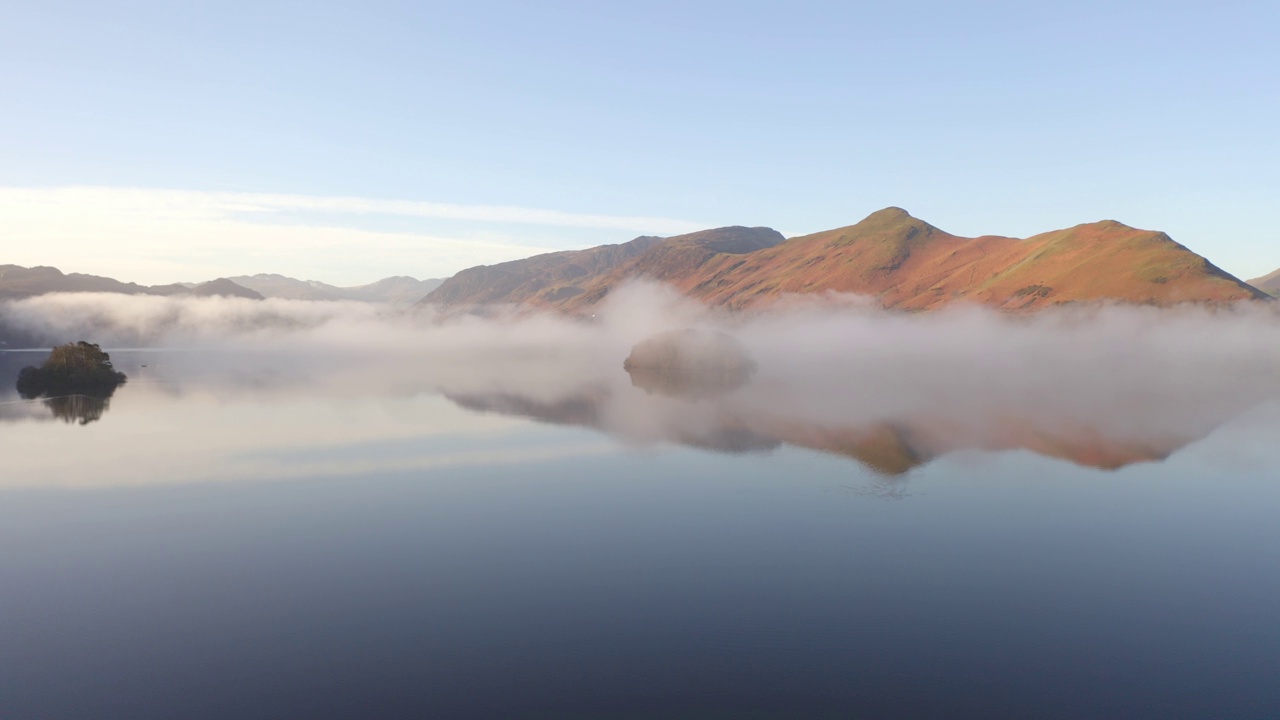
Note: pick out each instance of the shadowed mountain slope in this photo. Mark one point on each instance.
(541, 279)
(902, 261)
(558, 279)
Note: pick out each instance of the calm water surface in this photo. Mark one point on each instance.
(221, 541)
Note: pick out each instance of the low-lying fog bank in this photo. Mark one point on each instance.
(1099, 385)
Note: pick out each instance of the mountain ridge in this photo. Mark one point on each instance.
(396, 290)
(17, 282)
(902, 261)
(551, 276)
(899, 260)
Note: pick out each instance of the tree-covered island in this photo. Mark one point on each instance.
(79, 368)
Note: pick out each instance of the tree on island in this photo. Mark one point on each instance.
(79, 368)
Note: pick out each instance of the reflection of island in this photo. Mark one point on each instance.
(689, 363)
(77, 380)
(83, 409)
(888, 447)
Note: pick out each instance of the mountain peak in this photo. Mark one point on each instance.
(892, 212)
(893, 220)
(1109, 225)
(224, 287)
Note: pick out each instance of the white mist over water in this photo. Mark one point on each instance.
(1141, 381)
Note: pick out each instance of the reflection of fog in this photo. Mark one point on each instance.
(1103, 387)
(239, 415)
(584, 390)
(593, 391)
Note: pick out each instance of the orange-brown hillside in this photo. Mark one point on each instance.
(905, 263)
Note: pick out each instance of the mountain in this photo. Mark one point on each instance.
(398, 290)
(280, 286)
(19, 282)
(541, 279)
(902, 261)
(222, 287)
(566, 277)
(910, 264)
(1269, 284)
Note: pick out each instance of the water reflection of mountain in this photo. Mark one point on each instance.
(703, 420)
(587, 410)
(769, 411)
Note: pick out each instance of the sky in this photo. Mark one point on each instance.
(180, 141)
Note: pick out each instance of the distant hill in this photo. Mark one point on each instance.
(280, 286)
(1269, 284)
(398, 290)
(19, 282)
(222, 287)
(902, 261)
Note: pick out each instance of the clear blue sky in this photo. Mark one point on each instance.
(1005, 118)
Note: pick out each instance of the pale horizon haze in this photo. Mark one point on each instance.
(161, 142)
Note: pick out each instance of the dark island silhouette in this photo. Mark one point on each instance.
(77, 381)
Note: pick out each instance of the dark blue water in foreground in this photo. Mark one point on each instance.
(196, 555)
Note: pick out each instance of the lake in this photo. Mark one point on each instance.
(236, 536)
